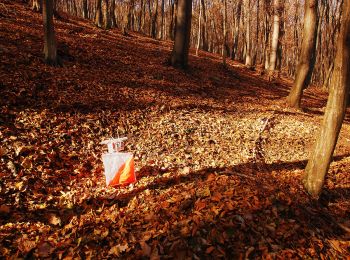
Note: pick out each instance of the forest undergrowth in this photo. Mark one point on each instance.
(219, 156)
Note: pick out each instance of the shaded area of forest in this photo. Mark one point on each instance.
(212, 181)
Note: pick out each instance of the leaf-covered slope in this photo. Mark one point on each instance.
(219, 157)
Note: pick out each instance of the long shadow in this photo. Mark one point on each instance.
(245, 172)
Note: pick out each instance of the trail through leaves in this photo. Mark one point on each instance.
(219, 157)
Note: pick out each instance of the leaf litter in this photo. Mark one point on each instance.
(219, 157)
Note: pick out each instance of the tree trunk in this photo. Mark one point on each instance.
(106, 17)
(85, 9)
(266, 35)
(237, 18)
(204, 27)
(154, 21)
(162, 20)
(112, 14)
(179, 55)
(256, 52)
(224, 44)
(319, 162)
(275, 36)
(50, 49)
(98, 16)
(248, 57)
(307, 55)
(199, 29)
(36, 5)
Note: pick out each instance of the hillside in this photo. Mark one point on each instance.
(219, 157)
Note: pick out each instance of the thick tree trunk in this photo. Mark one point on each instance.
(275, 36)
(307, 55)
(319, 162)
(179, 55)
(50, 49)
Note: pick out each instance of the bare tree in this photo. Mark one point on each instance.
(85, 9)
(237, 18)
(50, 49)
(98, 15)
(319, 162)
(275, 36)
(199, 29)
(307, 56)
(179, 55)
(225, 48)
(248, 57)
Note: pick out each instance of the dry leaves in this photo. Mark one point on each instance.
(219, 158)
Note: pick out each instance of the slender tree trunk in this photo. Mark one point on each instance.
(85, 9)
(224, 44)
(112, 14)
(98, 16)
(171, 27)
(248, 57)
(179, 55)
(204, 27)
(275, 36)
(266, 35)
(199, 29)
(237, 18)
(106, 17)
(154, 21)
(326, 81)
(319, 162)
(162, 20)
(50, 49)
(307, 55)
(257, 33)
(36, 5)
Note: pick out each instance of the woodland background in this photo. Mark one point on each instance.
(219, 155)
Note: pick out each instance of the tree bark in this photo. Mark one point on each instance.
(154, 21)
(237, 18)
(106, 17)
(179, 55)
(204, 27)
(266, 34)
(248, 57)
(307, 55)
(319, 162)
(85, 9)
(275, 36)
(37, 5)
(199, 29)
(112, 14)
(162, 20)
(98, 16)
(50, 49)
(224, 44)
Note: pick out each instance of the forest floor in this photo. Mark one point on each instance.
(218, 154)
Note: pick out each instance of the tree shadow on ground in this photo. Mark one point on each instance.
(267, 213)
